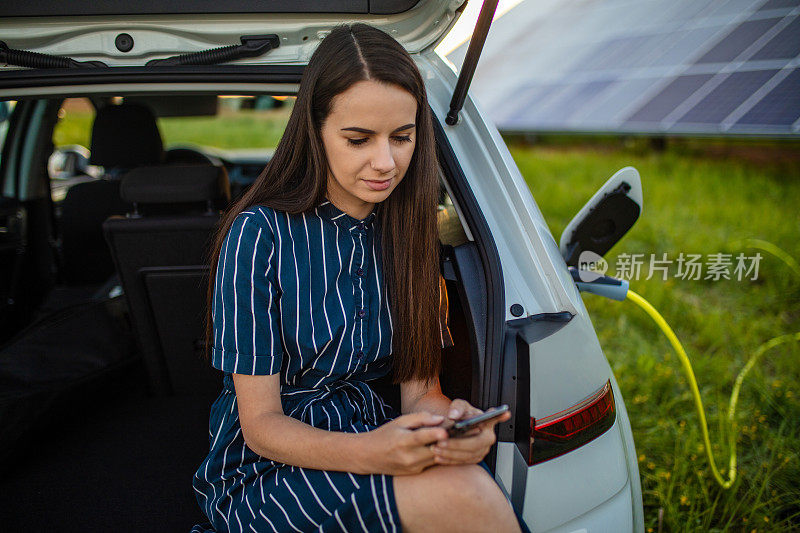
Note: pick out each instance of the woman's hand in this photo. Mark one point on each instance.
(402, 445)
(474, 445)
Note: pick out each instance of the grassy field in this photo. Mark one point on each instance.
(228, 129)
(698, 203)
(699, 198)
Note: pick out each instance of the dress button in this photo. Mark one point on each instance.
(360, 225)
(361, 313)
(360, 271)
(359, 354)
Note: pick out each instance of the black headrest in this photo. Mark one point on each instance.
(125, 136)
(176, 184)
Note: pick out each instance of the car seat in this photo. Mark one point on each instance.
(123, 137)
(160, 252)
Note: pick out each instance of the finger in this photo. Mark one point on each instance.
(460, 408)
(471, 433)
(425, 457)
(425, 436)
(479, 441)
(469, 444)
(416, 420)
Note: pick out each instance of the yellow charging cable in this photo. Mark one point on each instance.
(698, 402)
(619, 290)
(771, 248)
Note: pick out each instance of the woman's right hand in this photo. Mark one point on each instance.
(401, 446)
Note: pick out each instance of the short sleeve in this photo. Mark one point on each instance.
(444, 320)
(247, 338)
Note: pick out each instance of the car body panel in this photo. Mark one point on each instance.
(573, 352)
(536, 277)
(528, 252)
(156, 36)
(574, 483)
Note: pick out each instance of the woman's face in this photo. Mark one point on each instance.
(369, 138)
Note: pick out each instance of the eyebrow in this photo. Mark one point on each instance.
(364, 130)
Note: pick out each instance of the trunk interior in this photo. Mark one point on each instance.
(91, 438)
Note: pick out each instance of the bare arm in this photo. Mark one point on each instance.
(417, 396)
(270, 433)
(397, 447)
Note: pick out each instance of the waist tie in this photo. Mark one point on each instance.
(297, 400)
(298, 392)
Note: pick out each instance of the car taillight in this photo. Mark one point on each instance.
(562, 432)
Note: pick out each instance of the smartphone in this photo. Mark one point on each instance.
(462, 426)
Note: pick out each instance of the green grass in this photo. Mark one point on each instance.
(699, 197)
(697, 204)
(252, 129)
(229, 129)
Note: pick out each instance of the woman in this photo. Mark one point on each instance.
(327, 278)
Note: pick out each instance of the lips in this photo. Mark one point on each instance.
(379, 185)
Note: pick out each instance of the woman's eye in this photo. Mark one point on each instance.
(401, 139)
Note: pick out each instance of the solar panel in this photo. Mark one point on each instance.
(571, 101)
(779, 107)
(777, 4)
(683, 45)
(530, 98)
(615, 53)
(672, 95)
(785, 45)
(726, 97)
(652, 66)
(615, 103)
(738, 40)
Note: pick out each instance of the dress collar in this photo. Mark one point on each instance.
(327, 210)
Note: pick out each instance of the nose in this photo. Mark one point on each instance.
(383, 159)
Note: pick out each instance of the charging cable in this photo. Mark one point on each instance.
(619, 290)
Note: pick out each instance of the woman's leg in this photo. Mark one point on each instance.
(452, 498)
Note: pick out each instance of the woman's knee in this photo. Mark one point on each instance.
(451, 481)
(436, 495)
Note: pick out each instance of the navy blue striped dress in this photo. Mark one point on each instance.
(302, 295)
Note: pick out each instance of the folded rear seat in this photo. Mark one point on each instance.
(161, 254)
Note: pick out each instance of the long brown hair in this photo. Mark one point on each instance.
(295, 181)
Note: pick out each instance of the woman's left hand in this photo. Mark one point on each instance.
(474, 445)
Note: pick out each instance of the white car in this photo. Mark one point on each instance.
(104, 402)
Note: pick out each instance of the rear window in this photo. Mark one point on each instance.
(237, 122)
(241, 131)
